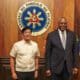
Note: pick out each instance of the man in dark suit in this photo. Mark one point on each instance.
(61, 54)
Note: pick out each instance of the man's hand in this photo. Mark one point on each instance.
(75, 70)
(48, 73)
(14, 76)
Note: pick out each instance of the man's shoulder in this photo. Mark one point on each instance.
(34, 42)
(53, 32)
(18, 42)
(70, 31)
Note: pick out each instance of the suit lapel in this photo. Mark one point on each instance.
(67, 39)
(58, 39)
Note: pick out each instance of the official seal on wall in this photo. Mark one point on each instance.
(34, 15)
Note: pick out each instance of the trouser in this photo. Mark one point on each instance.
(63, 75)
(25, 75)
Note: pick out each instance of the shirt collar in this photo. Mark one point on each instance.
(25, 42)
(61, 31)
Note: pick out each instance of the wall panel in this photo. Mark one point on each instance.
(8, 23)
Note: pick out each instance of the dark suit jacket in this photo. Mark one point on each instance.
(56, 55)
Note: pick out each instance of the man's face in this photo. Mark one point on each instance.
(27, 34)
(62, 24)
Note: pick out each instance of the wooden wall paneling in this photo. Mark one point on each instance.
(10, 24)
(69, 8)
(58, 8)
(77, 17)
(64, 8)
(1, 30)
(58, 11)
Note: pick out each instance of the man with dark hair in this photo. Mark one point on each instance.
(24, 57)
(61, 54)
(25, 29)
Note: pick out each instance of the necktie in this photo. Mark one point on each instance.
(63, 39)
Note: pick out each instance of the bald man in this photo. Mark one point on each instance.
(61, 54)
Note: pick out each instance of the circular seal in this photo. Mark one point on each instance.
(34, 15)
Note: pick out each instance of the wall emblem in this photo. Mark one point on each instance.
(34, 15)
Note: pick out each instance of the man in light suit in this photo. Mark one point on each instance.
(61, 54)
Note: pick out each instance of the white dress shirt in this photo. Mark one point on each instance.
(61, 37)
